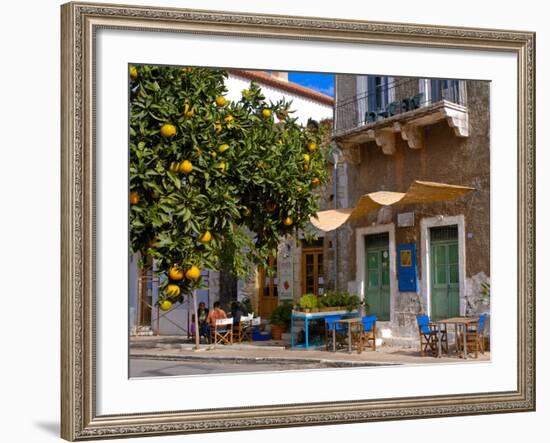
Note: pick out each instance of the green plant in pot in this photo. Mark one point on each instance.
(353, 302)
(331, 300)
(308, 302)
(280, 319)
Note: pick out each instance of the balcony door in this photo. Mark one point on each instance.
(373, 95)
(445, 89)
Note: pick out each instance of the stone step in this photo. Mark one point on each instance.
(141, 331)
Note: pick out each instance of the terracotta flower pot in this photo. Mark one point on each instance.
(276, 331)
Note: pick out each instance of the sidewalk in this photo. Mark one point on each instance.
(173, 348)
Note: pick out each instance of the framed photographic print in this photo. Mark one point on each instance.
(277, 221)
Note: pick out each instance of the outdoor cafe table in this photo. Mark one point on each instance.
(350, 323)
(462, 322)
(307, 317)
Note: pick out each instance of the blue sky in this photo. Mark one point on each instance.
(320, 82)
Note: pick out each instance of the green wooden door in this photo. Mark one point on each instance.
(378, 276)
(445, 292)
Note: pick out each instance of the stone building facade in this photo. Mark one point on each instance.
(391, 132)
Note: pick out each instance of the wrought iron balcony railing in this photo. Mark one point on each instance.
(395, 98)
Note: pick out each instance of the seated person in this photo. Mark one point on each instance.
(215, 314)
(204, 327)
(237, 311)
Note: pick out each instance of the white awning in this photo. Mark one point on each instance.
(419, 192)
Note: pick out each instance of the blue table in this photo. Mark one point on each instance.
(307, 317)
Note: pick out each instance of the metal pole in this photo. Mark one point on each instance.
(197, 338)
(335, 194)
(158, 320)
(188, 322)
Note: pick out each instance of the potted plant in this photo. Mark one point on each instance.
(352, 302)
(280, 319)
(308, 302)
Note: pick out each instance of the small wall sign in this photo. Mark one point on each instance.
(405, 220)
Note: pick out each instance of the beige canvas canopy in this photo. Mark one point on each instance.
(419, 192)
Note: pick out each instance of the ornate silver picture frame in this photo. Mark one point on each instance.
(79, 417)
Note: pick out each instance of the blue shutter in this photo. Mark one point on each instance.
(406, 268)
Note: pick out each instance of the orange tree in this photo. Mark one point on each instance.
(214, 183)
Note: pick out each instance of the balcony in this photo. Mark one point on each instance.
(407, 113)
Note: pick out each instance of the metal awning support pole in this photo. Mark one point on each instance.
(197, 336)
(335, 196)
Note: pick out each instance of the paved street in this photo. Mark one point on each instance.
(162, 368)
(164, 356)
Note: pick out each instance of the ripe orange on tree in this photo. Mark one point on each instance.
(134, 198)
(172, 290)
(288, 221)
(175, 273)
(193, 273)
(187, 110)
(168, 130)
(221, 101)
(206, 237)
(229, 118)
(315, 182)
(185, 166)
(312, 147)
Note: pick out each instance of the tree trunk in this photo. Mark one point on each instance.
(195, 310)
(228, 288)
(145, 300)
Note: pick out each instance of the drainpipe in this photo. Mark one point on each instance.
(335, 194)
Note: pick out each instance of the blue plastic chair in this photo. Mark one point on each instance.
(424, 324)
(331, 322)
(481, 323)
(427, 332)
(332, 325)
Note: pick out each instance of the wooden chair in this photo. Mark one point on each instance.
(427, 333)
(222, 332)
(369, 331)
(475, 335)
(243, 330)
